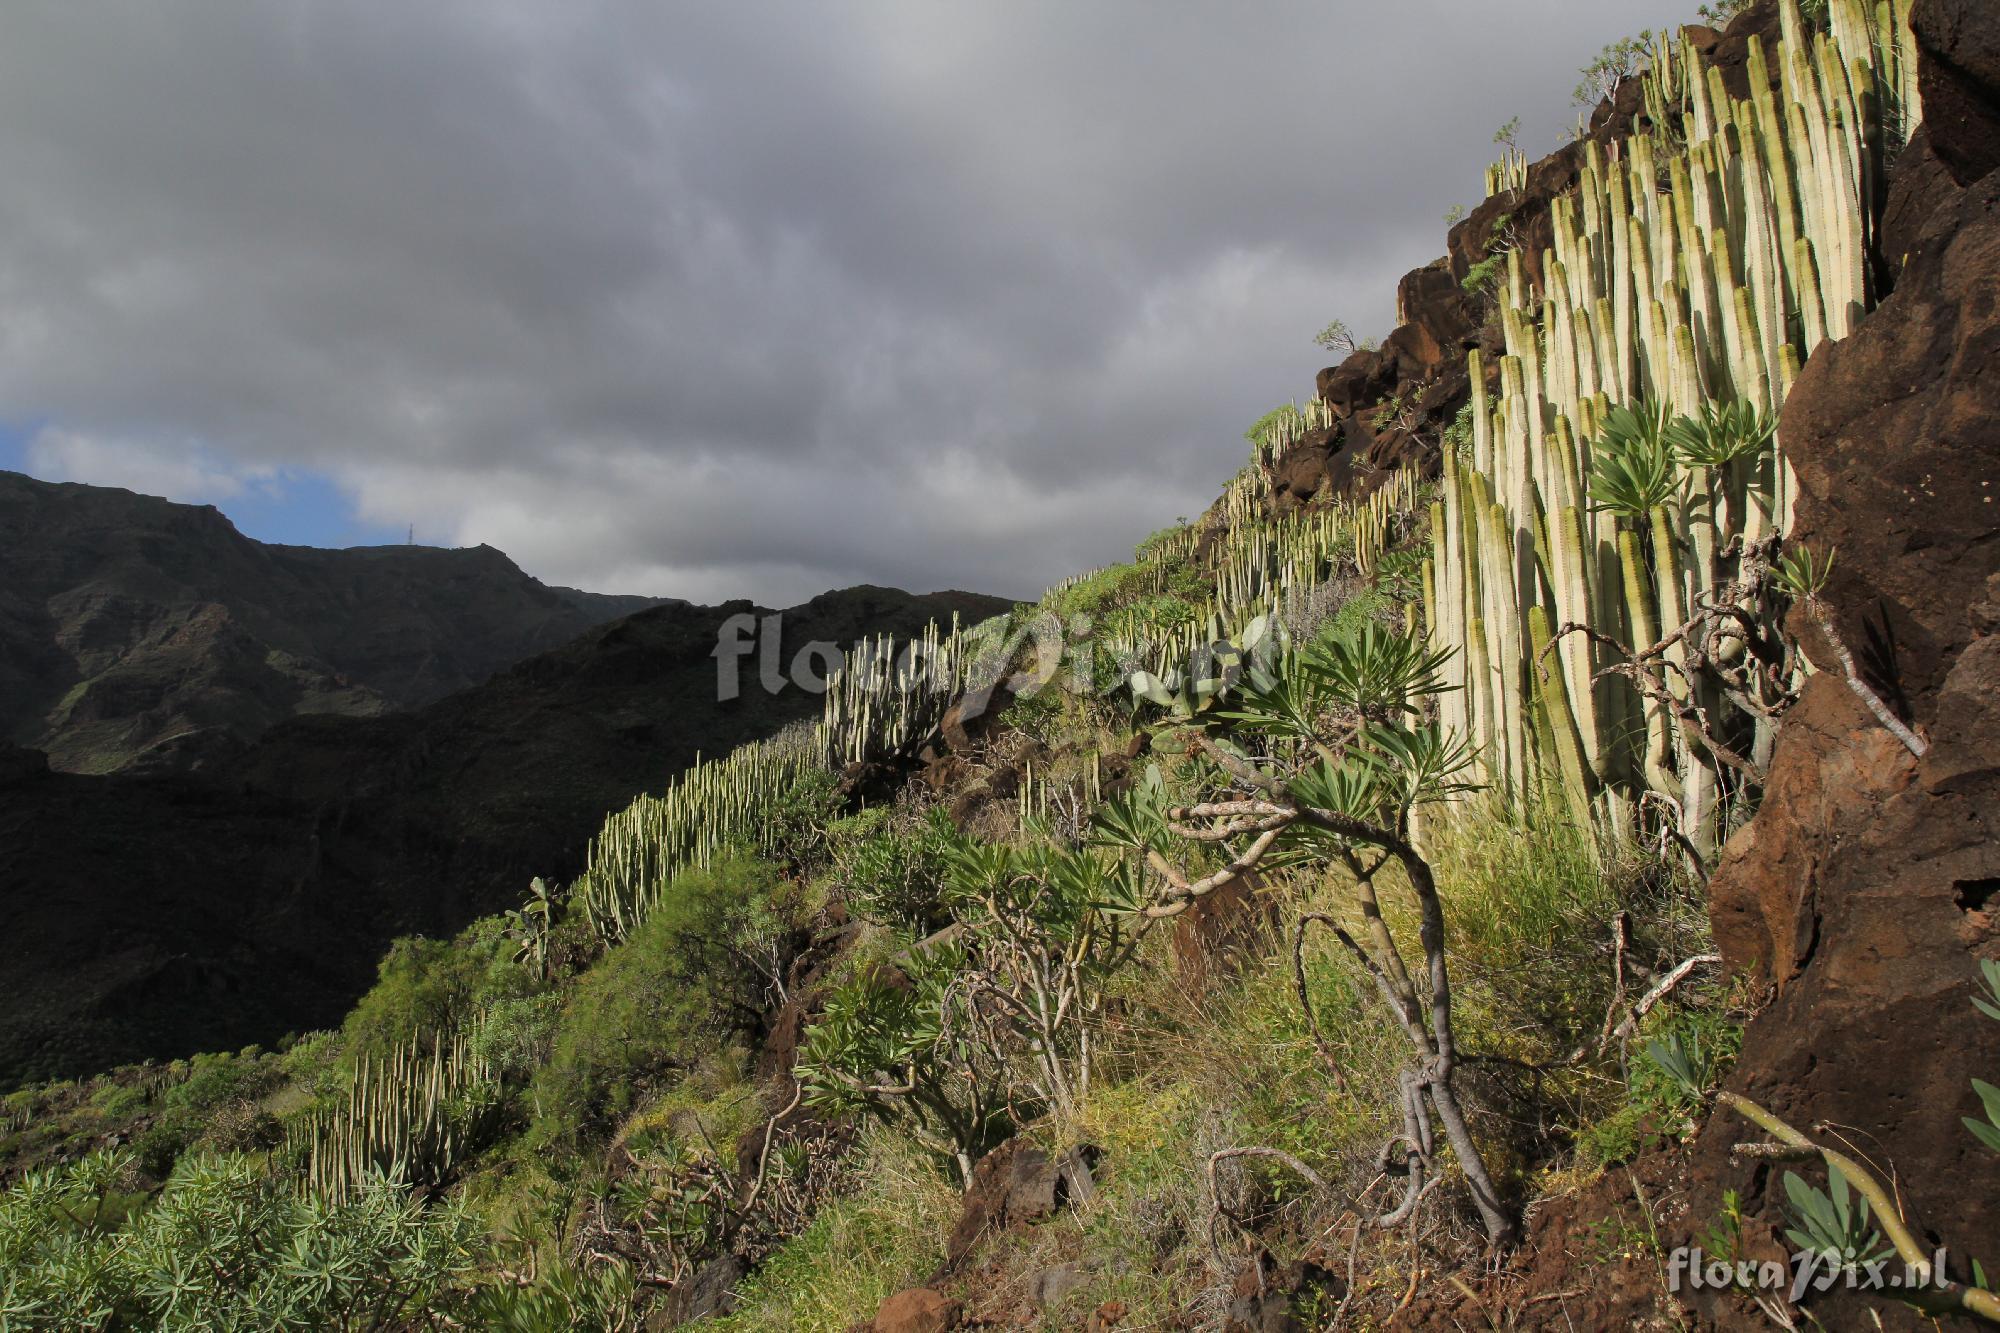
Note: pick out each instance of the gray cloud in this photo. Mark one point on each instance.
(729, 299)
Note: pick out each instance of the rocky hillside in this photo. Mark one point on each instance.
(135, 632)
(1369, 957)
(154, 916)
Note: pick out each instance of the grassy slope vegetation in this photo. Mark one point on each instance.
(1323, 958)
(590, 1165)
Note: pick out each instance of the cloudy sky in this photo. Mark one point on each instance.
(748, 298)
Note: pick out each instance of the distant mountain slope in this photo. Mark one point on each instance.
(154, 916)
(138, 631)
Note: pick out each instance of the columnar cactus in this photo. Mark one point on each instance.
(1684, 275)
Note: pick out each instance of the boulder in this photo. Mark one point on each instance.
(1016, 1183)
(1365, 377)
(1052, 1286)
(1312, 466)
(1919, 184)
(972, 715)
(919, 1310)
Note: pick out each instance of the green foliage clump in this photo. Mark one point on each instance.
(1103, 591)
(427, 988)
(191, 1106)
(1340, 340)
(515, 1035)
(1156, 543)
(883, 1049)
(1634, 470)
(225, 1245)
(119, 1101)
(1482, 278)
(895, 875)
(795, 820)
(1284, 415)
(1457, 437)
(695, 973)
(1668, 1087)
(1832, 1223)
(1037, 714)
(882, 1238)
(1617, 62)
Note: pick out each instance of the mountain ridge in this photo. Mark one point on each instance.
(137, 632)
(221, 888)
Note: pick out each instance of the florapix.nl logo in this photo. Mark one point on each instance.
(1019, 654)
(1689, 1268)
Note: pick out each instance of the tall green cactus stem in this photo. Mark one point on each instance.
(1658, 760)
(1704, 260)
(1556, 719)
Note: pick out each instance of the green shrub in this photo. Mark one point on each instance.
(881, 1239)
(119, 1101)
(1106, 590)
(189, 1106)
(1457, 438)
(1483, 277)
(1037, 714)
(1666, 1090)
(426, 988)
(795, 823)
(225, 1245)
(515, 1035)
(885, 1048)
(1155, 543)
(895, 876)
(685, 982)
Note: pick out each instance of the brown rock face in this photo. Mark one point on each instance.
(1833, 772)
(1959, 79)
(1919, 185)
(1221, 931)
(1894, 433)
(1309, 467)
(1016, 1183)
(1868, 887)
(1364, 377)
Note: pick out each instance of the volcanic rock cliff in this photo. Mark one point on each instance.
(1867, 889)
(1866, 892)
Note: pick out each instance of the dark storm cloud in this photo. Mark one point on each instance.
(729, 299)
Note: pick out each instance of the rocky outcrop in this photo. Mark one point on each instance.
(1867, 889)
(1958, 77)
(1893, 435)
(1014, 1185)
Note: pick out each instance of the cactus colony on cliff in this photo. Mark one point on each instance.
(1693, 265)
(1613, 481)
